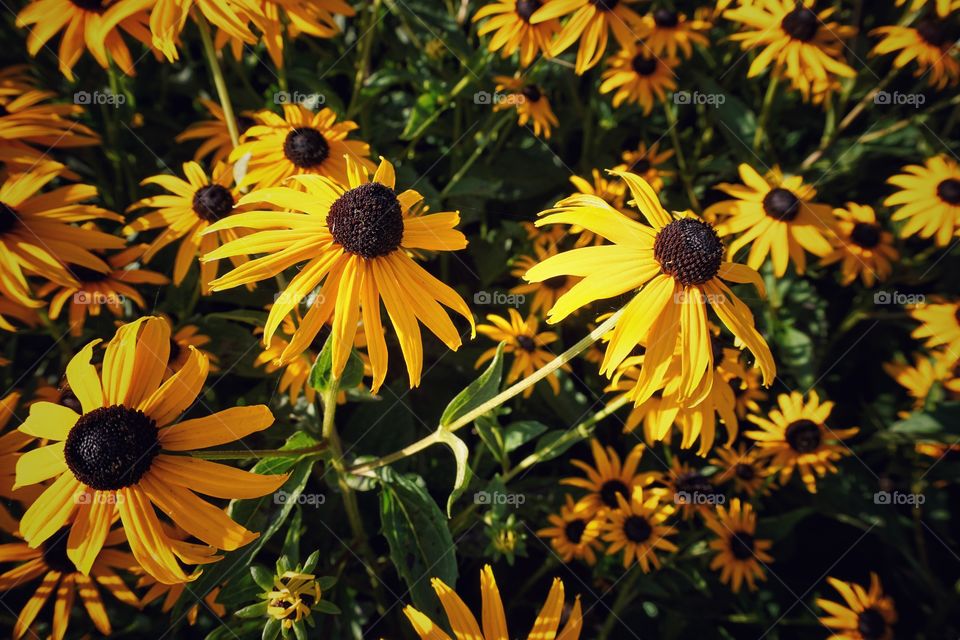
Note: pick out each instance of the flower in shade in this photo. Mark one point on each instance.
(636, 76)
(118, 457)
(493, 625)
(676, 270)
(637, 528)
(28, 118)
(861, 245)
(574, 532)
(865, 614)
(591, 22)
(531, 103)
(929, 43)
(509, 22)
(918, 379)
(647, 162)
(299, 143)
(185, 213)
(776, 216)
(182, 339)
(214, 133)
(939, 327)
(795, 436)
(608, 477)
(353, 241)
(528, 346)
(666, 31)
(741, 556)
(543, 295)
(11, 309)
(943, 7)
(928, 199)
(745, 467)
(690, 489)
(12, 443)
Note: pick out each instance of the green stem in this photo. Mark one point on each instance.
(366, 49)
(685, 176)
(243, 454)
(765, 109)
(477, 152)
(624, 596)
(218, 79)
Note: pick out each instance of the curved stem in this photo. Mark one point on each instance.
(218, 81)
(765, 109)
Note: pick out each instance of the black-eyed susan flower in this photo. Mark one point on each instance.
(635, 76)
(12, 444)
(929, 43)
(542, 295)
(666, 31)
(509, 22)
(776, 216)
(214, 134)
(95, 26)
(861, 246)
(865, 614)
(543, 237)
(689, 489)
(493, 620)
(796, 437)
(353, 240)
(676, 267)
(181, 340)
(522, 338)
(657, 413)
(648, 163)
(317, 18)
(800, 41)
(939, 326)
(744, 466)
(918, 379)
(928, 199)
(169, 17)
(574, 532)
(113, 459)
(591, 22)
(608, 477)
(298, 143)
(89, 292)
(51, 564)
(699, 421)
(942, 7)
(12, 310)
(36, 235)
(637, 528)
(28, 117)
(747, 389)
(741, 556)
(530, 101)
(185, 213)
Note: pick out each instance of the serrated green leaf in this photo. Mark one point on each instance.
(486, 386)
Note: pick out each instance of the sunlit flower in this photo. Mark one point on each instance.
(608, 477)
(542, 295)
(590, 22)
(939, 326)
(531, 103)
(529, 347)
(639, 77)
(666, 31)
(929, 42)
(509, 21)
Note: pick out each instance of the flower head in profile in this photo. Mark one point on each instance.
(530, 101)
(861, 246)
(493, 625)
(864, 614)
(928, 199)
(740, 555)
(352, 242)
(509, 22)
(676, 270)
(117, 457)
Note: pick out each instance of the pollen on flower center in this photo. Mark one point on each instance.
(781, 204)
(367, 221)
(610, 490)
(741, 545)
(532, 93)
(803, 436)
(111, 447)
(526, 343)
(933, 33)
(8, 218)
(666, 18)
(643, 65)
(526, 8)
(866, 234)
(870, 624)
(306, 147)
(949, 191)
(87, 275)
(689, 250)
(637, 529)
(212, 202)
(54, 551)
(574, 530)
(801, 24)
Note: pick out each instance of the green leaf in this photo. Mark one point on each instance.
(321, 375)
(326, 582)
(462, 455)
(325, 606)
(477, 392)
(517, 434)
(491, 433)
(554, 443)
(262, 576)
(271, 630)
(253, 611)
(419, 539)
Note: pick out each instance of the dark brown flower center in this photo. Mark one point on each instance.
(949, 191)
(8, 218)
(666, 18)
(526, 8)
(367, 221)
(871, 624)
(737, 385)
(803, 436)
(574, 530)
(531, 92)
(212, 202)
(611, 489)
(306, 147)
(745, 471)
(96, 6)
(781, 204)
(111, 447)
(866, 234)
(741, 545)
(694, 484)
(933, 32)
(54, 551)
(641, 166)
(689, 250)
(87, 275)
(605, 5)
(643, 65)
(526, 343)
(801, 24)
(637, 529)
